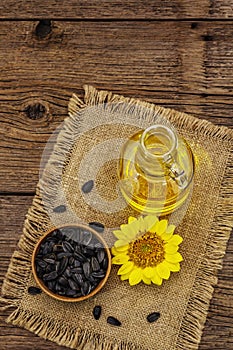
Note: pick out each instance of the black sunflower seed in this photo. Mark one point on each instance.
(94, 264)
(77, 277)
(34, 290)
(86, 269)
(100, 255)
(97, 312)
(87, 187)
(97, 226)
(86, 239)
(60, 209)
(73, 284)
(85, 288)
(154, 316)
(67, 247)
(50, 276)
(113, 321)
(98, 274)
(49, 260)
(62, 265)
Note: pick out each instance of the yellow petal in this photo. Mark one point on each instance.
(125, 268)
(161, 227)
(146, 280)
(173, 258)
(176, 239)
(173, 267)
(120, 243)
(131, 219)
(168, 233)
(156, 279)
(150, 221)
(120, 259)
(170, 248)
(163, 271)
(114, 251)
(149, 272)
(142, 225)
(120, 235)
(125, 276)
(122, 248)
(129, 231)
(135, 276)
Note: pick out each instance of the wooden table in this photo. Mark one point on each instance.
(177, 54)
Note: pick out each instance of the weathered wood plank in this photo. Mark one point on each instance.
(171, 9)
(219, 327)
(182, 65)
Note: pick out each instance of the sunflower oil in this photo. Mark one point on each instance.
(155, 170)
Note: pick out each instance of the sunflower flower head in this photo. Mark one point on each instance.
(147, 250)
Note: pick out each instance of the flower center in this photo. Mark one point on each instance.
(147, 250)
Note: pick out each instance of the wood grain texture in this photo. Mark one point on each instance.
(219, 326)
(182, 65)
(146, 9)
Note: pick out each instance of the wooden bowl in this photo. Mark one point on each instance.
(49, 292)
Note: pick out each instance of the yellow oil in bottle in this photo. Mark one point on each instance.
(155, 171)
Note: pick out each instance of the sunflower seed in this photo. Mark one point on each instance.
(86, 269)
(87, 187)
(94, 264)
(77, 277)
(97, 226)
(97, 312)
(67, 247)
(73, 284)
(60, 209)
(154, 316)
(113, 321)
(62, 265)
(34, 290)
(98, 274)
(50, 276)
(85, 288)
(100, 255)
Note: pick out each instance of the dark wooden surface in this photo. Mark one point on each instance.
(177, 54)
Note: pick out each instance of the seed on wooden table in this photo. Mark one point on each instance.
(87, 187)
(97, 226)
(60, 209)
(154, 316)
(34, 290)
(113, 321)
(97, 312)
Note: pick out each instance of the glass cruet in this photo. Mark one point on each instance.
(155, 170)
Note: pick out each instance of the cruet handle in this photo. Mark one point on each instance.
(176, 172)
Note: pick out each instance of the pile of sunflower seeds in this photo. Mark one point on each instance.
(71, 262)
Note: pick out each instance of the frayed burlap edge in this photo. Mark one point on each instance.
(19, 269)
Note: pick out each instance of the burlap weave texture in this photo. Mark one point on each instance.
(87, 148)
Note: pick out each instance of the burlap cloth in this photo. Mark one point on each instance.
(93, 131)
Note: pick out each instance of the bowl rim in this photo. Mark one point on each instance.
(61, 297)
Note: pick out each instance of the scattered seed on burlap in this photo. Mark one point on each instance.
(97, 312)
(34, 290)
(97, 226)
(60, 209)
(154, 316)
(87, 187)
(113, 321)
